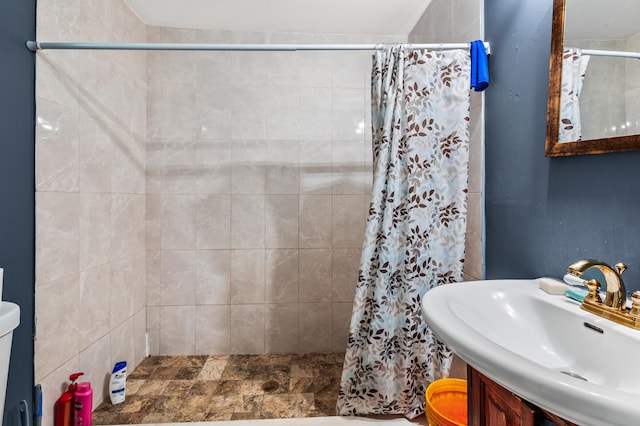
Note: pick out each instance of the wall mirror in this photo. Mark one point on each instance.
(594, 78)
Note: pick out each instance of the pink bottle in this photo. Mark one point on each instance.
(83, 405)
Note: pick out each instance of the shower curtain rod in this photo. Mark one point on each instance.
(45, 45)
(614, 53)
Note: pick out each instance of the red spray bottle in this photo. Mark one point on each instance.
(64, 404)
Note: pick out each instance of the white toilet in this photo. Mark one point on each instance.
(9, 320)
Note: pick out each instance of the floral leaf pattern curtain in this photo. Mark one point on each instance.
(574, 69)
(415, 232)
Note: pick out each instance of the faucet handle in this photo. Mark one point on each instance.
(620, 267)
(635, 304)
(594, 291)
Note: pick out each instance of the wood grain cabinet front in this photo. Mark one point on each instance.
(492, 405)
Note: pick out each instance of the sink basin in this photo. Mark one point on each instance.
(541, 347)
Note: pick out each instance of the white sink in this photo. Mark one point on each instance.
(532, 343)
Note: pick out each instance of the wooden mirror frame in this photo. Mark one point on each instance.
(554, 148)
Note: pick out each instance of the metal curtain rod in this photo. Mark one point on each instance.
(45, 45)
(614, 53)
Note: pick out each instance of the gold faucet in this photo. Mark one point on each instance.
(616, 293)
(614, 306)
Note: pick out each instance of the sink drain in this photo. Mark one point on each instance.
(574, 375)
(270, 386)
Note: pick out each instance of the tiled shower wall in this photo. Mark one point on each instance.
(460, 21)
(632, 88)
(258, 180)
(602, 99)
(90, 183)
(609, 102)
(254, 198)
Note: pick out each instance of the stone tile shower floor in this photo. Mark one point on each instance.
(169, 389)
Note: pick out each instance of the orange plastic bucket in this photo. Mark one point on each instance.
(447, 402)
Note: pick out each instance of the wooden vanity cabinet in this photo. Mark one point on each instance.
(492, 405)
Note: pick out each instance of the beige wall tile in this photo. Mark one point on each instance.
(94, 174)
(138, 281)
(213, 222)
(51, 68)
(176, 66)
(178, 221)
(127, 163)
(316, 327)
(178, 277)
(216, 64)
(247, 221)
(348, 220)
(247, 329)
(95, 362)
(57, 236)
(121, 297)
(344, 277)
(139, 336)
(122, 225)
(348, 167)
(282, 68)
(214, 172)
(247, 276)
(155, 165)
(248, 167)
(351, 69)
(213, 329)
(248, 115)
(282, 113)
(315, 69)
(177, 330)
(153, 329)
(57, 153)
(316, 113)
(212, 107)
(476, 150)
(56, 345)
(315, 221)
(281, 328)
(94, 309)
(248, 69)
(170, 111)
(213, 277)
(282, 167)
(281, 276)
(348, 114)
(341, 320)
(179, 166)
(153, 278)
(90, 245)
(315, 166)
(315, 275)
(282, 221)
(94, 230)
(466, 15)
(473, 252)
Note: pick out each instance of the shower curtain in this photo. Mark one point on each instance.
(415, 232)
(574, 69)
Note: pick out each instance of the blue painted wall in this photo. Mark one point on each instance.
(544, 213)
(17, 76)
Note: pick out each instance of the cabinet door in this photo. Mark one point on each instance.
(492, 405)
